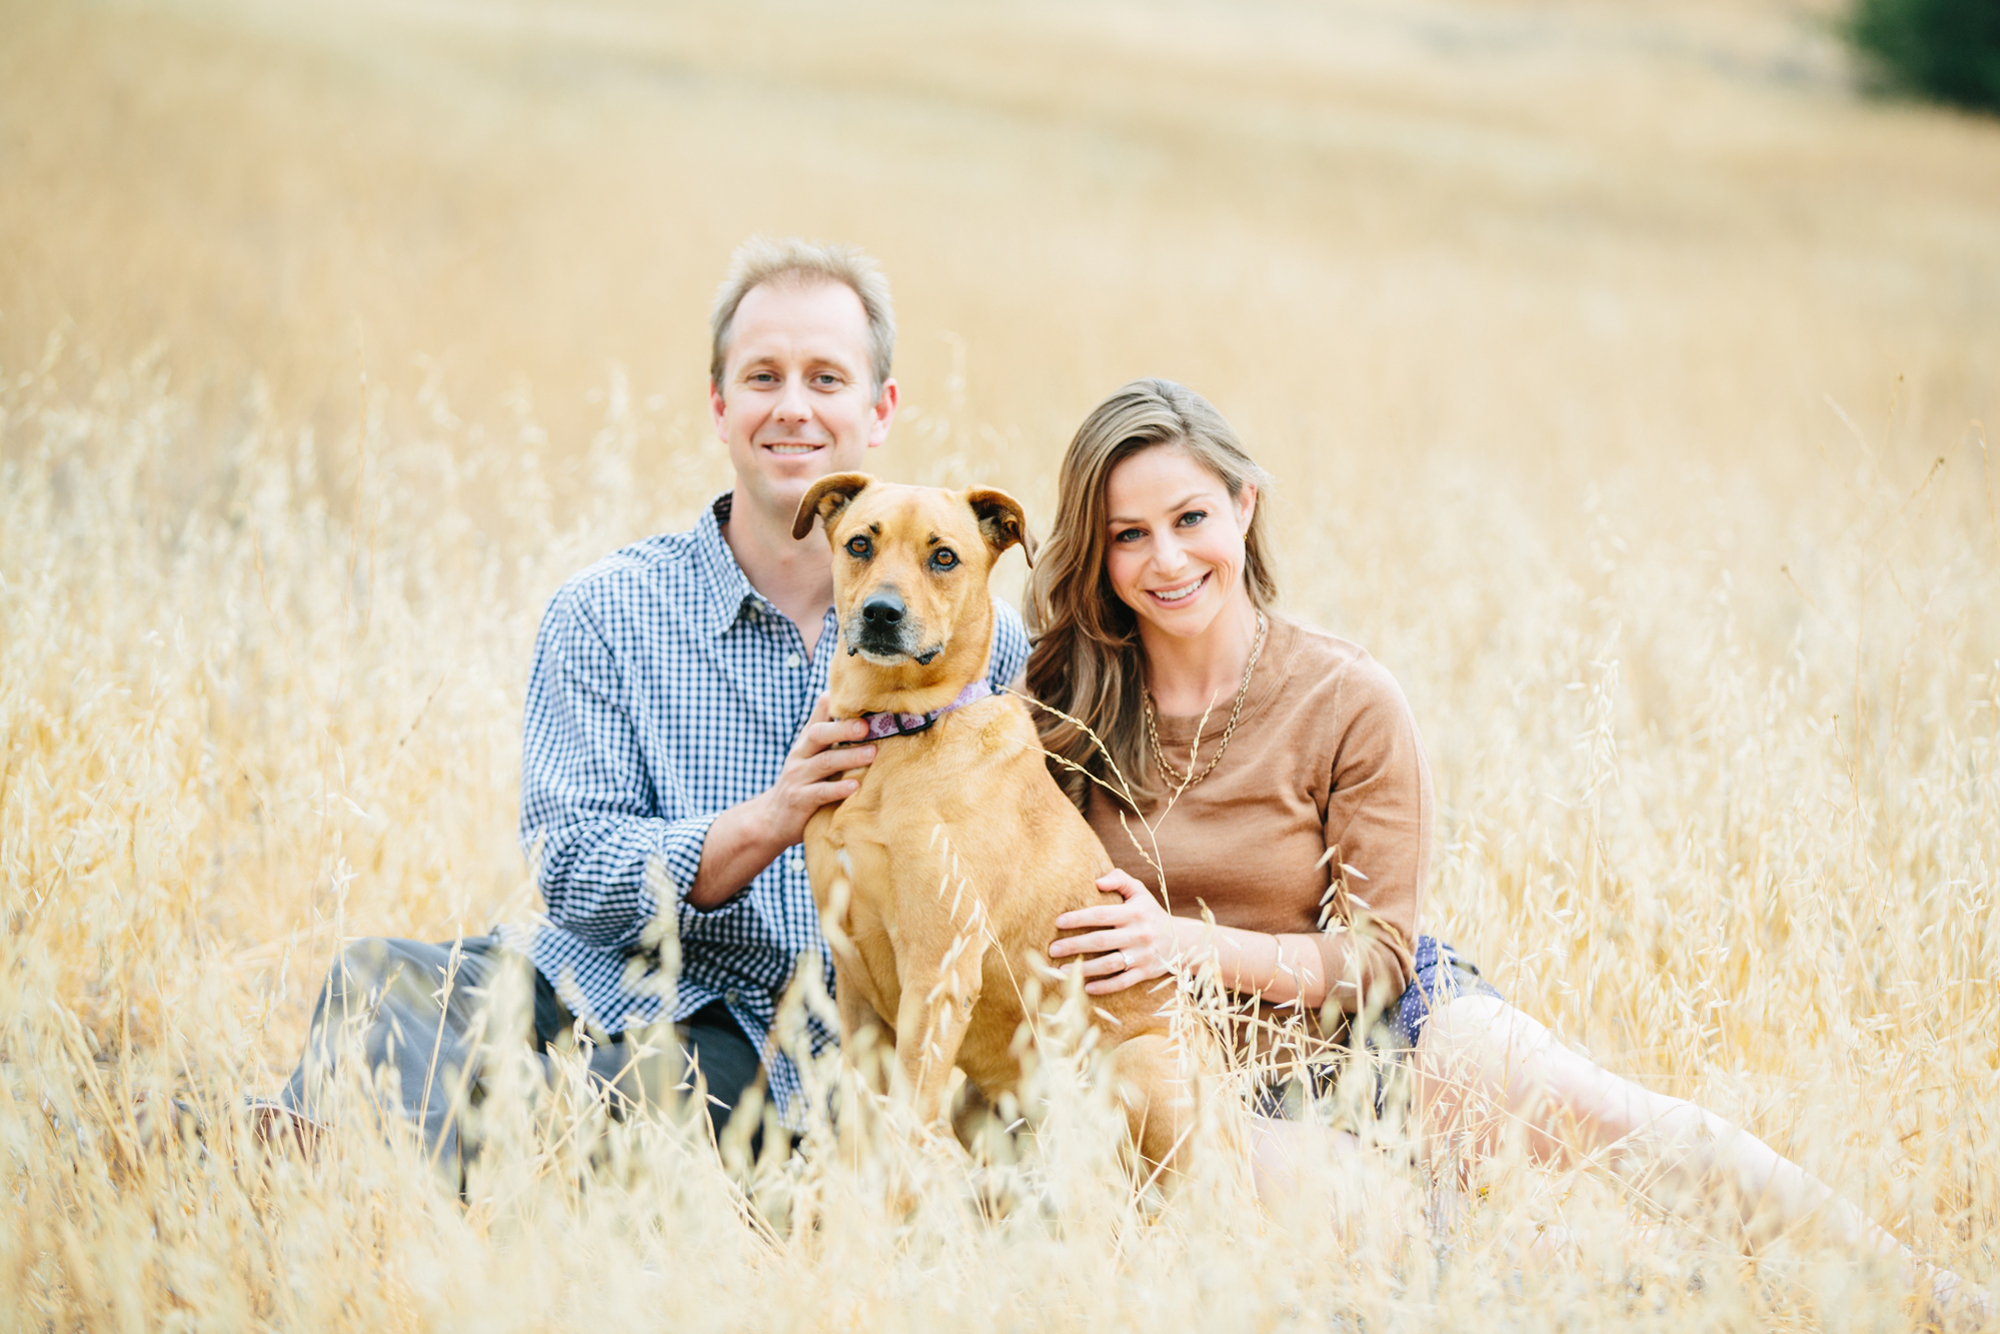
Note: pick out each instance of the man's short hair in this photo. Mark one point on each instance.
(761, 260)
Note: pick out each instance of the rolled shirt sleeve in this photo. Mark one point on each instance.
(592, 813)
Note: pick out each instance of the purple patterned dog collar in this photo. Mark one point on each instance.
(882, 725)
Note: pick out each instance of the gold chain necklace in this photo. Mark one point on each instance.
(1183, 782)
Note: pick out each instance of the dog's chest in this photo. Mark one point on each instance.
(885, 871)
(849, 868)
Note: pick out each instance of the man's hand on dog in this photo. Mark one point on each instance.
(1127, 943)
(823, 766)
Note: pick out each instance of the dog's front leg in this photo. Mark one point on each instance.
(867, 1046)
(866, 1040)
(930, 1026)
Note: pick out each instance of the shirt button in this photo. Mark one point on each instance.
(730, 995)
(791, 660)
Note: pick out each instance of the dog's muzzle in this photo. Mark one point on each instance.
(882, 630)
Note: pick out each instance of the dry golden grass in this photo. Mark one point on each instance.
(1620, 370)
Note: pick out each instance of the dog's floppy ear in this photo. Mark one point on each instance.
(1001, 521)
(827, 498)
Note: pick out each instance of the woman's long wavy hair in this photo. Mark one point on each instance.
(1087, 661)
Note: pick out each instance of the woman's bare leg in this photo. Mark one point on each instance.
(1363, 1194)
(1366, 1196)
(1486, 1071)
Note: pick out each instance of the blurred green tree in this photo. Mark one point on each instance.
(1946, 49)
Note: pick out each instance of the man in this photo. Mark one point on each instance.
(675, 720)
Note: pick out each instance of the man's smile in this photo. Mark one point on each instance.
(790, 447)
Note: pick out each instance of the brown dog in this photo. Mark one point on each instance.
(940, 880)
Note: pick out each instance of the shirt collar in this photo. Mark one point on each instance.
(727, 590)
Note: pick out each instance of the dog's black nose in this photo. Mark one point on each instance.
(883, 608)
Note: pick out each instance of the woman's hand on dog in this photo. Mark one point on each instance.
(1126, 943)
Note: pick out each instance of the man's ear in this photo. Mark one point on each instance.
(826, 499)
(1001, 521)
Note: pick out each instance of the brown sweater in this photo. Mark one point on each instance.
(1325, 756)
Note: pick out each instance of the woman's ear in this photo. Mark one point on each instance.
(1246, 506)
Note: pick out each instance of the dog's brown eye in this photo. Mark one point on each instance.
(944, 558)
(858, 546)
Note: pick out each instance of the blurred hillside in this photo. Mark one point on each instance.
(1584, 226)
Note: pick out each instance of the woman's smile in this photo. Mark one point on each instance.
(1179, 594)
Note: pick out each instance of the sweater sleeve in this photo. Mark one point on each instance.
(1378, 837)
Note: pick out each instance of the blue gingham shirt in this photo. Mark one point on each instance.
(665, 689)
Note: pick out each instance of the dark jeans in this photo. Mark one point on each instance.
(424, 1011)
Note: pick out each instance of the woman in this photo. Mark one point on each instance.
(1274, 773)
